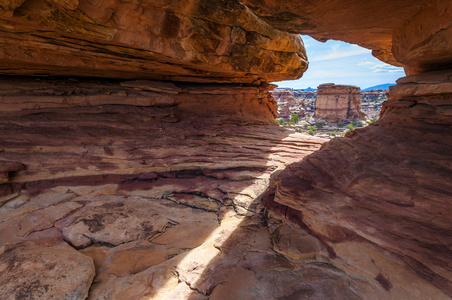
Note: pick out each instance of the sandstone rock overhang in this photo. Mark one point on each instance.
(195, 41)
(83, 161)
(411, 34)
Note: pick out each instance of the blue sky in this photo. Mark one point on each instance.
(342, 63)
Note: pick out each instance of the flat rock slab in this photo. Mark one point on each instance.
(44, 270)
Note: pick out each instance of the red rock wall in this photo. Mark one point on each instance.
(382, 193)
(336, 103)
(195, 41)
(127, 189)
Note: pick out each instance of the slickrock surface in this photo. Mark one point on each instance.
(157, 203)
(145, 180)
(182, 40)
(380, 197)
(336, 103)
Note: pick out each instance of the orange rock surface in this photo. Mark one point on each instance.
(141, 160)
(196, 41)
(412, 34)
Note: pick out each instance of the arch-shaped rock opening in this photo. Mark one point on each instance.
(138, 148)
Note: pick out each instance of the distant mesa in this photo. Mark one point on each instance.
(336, 103)
(330, 102)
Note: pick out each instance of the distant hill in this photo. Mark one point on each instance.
(308, 89)
(383, 86)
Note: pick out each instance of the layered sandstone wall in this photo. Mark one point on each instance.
(336, 103)
(196, 41)
(287, 103)
(128, 189)
(133, 190)
(284, 96)
(382, 193)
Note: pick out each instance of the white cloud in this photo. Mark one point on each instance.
(337, 52)
(380, 67)
(343, 63)
(363, 63)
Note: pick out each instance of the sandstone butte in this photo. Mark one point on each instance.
(139, 157)
(335, 103)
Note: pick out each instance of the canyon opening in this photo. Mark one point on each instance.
(140, 157)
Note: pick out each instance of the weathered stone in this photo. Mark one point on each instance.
(424, 42)
(287, 103)
(160, 183)
(195, 41)
(336, 103)
(44, 270)
(383, 191)
(418, 32)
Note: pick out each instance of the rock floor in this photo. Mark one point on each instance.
(119, 202)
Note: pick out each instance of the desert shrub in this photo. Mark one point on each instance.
(294, 118)
(351, 127)
(340, 125)
(360, 124)
(280, 121)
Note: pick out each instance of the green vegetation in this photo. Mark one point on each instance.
(312, 130)
(340, 125)
(360, 124)
(320, 125)
(294, 118)
(280, 121)
(351, 127)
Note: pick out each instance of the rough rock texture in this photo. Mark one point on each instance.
(380, 197)
(284, 112)
(155, 187)
(284, 96)
(336, 103)
(44, 269)
(196, 41)
(287, 103)
(166, 204)
(424, 42)
(412, 34)
(233, 100)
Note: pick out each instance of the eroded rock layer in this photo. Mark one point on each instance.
(196, 41)
(336, 103)
(412, 34)
(130, 188)
(380, 197)
(151, 200)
